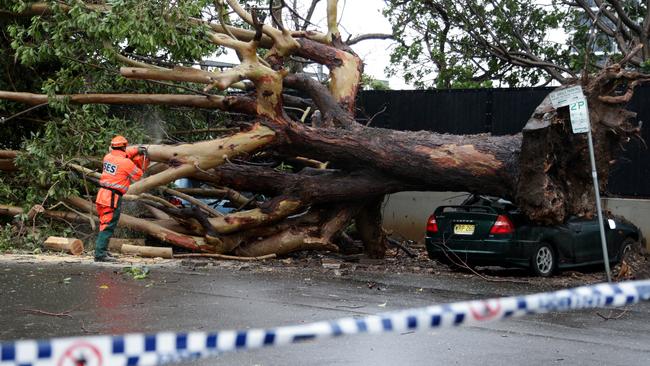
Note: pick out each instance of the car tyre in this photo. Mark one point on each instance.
(543, 262)
(628, 246)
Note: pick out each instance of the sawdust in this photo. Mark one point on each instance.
(55, 258)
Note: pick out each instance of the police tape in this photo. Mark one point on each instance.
(167, 347)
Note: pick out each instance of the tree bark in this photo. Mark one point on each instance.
(115, 244)
(232, 103)
(69, 245)
(144, 251)
(435, 162)
(368, 224)
(7, 165)
(308, 185)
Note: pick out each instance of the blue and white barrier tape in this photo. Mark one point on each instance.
(162, 348)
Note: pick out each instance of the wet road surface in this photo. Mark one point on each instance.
(101, 299)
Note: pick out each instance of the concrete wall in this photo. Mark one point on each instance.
(635, 210)
(406, 213)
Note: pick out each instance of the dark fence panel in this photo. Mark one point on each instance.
(630, 176)
(447, 111)
(511, 108)
(500, 112)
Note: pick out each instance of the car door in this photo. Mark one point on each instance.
(586, 239)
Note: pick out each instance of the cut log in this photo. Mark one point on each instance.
(115, 244)
(72, 246)
(143, 251)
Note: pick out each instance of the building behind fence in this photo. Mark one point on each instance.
(499, 112)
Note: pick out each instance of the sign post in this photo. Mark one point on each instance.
(579, 113)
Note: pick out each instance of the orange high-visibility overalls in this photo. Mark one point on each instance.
(117, 174)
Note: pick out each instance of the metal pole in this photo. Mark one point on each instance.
(594, 175)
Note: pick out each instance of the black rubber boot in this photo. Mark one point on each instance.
(105, 259)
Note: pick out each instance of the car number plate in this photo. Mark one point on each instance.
(464, 229)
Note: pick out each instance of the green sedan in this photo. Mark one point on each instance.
(490, 231)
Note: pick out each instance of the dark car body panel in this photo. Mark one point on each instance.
(576, 242)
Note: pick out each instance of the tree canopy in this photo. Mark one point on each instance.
(472, 43)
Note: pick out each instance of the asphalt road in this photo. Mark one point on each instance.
(101, 299)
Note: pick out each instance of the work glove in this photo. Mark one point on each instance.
(142, 150)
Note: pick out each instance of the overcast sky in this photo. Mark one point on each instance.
(364, 16)
(359, 17)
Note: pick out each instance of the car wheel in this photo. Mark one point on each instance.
(543, 262)
(627, 247)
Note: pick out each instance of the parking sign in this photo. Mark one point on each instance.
(579, 114)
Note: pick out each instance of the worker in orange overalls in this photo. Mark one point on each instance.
(121, 167)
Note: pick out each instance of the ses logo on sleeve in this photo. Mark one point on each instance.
(110, 168)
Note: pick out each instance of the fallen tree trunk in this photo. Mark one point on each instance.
(413, 160)
(308, 185)
(494, 165)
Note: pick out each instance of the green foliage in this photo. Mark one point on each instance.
(645, 66)
(137, 273)
(461, 44)
(14, 239)
(146, 28)
(6, 238)
(74, 51)
(284, 167)
(370, 83)
(42, 159)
